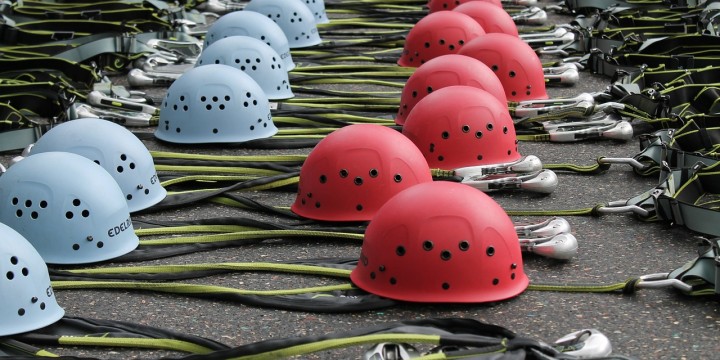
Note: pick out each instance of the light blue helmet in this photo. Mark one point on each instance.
(214, 104)
(27, 301)
(69, 208)
(114, 148)
(252, 24)
(317, 7)
(294, 17)
(255, 58)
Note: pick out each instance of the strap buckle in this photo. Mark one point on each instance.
(62, 35)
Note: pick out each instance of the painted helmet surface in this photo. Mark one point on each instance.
(27, 301)
(436, 34)
(317, 7)
(68, 207)
(255, 25)
(294, 18)
(253, 57)
(116, 149)
(460, 126)
(492, 18)
(440, 5)
(514, 62)
(214, 104)
(354, 170)
(443, 71)
(441, 242)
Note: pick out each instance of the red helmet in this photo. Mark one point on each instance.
(492, 18)
(354, 170)
(460, 126)
(441, 242)
(440, 33)
(514, 62)
(438, 5)
(443, 71)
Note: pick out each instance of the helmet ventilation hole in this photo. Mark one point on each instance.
(343, 173)
(393, 281)
(323, 179)
(478, 134)
(10, 275)
(359, 207)
(445, 255)
(446, 286)
(14, 260)
(373, 173)
(21, 311)
(511, 73)
(372, 275)
(427, 245)
(397, 178)
(465, 128)
(489, 126)
(496, 281)
(490, 251)
(400, 250)
(445, 135)
(358, 181)
(464, 245)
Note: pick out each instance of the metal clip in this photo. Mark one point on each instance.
(177, 51)
(628, 161)
(587, 343)
(576, 131)
(549, 227)
(526, 164)
(219, 7)
(537, 107)
(533, 15)
(561, 246)
(391, 351)
(544, 181)
(567, 75)
(619, 207)
(126, 118)
(660, 280)
(97, 98)
(139, 78)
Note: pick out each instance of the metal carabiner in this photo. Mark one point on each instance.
(544, 181)
(549, 227)
(587, 343)
(661, 280)
(620, 207)
(526, 164)
(560, 246)
(391, 351)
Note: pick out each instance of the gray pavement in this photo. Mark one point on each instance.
(651, 324)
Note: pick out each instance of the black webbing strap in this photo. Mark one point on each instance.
(702, 272)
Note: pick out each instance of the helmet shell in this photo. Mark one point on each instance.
(441, 242)
(255, 25)
(27, 300)
(68, 207)
(353, 171)
(114, 148)
(436, 34)
(294, 18)
(492, 18)
(255, 58)
(460, 126)
(440, 5)
(443, 71)
(214, 104)
(514, 62)
(317, 7)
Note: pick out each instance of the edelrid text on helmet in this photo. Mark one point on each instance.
(27, 300)
(255, 25)
(354, 170)
(67, 207)
(253, 57)
(294, 18)
(114, 148)
(459, 126)
(443, 71)
(436, 34)
(493, 19)
(441, 242)
(214, 104)
(514, 62)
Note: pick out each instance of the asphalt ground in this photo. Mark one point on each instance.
(650, 324)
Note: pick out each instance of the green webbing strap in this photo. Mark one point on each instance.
(76, 331)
